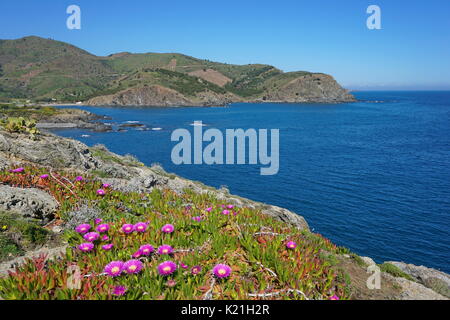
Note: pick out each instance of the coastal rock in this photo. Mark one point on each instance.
(48, 150)
(431, 278)
(411, 290)
(310, 88)
(30, 203)
(157, 95)
(368, 261)
(286, 216)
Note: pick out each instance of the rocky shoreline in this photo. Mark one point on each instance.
(126, 174)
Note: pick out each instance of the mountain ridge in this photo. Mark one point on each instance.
(46, 70)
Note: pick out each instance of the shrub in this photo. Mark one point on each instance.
(21, 125)
(395, 271)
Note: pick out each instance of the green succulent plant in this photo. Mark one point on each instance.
(21, 125)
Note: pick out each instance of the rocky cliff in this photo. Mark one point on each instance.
(160, 96)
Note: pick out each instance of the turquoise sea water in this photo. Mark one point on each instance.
(372, 175)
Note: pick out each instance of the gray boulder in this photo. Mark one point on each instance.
(48, 150)
(29, 203)
(431, 278)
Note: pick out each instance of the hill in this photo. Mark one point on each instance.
(45, 70)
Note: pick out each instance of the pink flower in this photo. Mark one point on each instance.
(83, 228)
(101, 192)
(103, 228)
(168, 228)
(91, 236)
(44, 176)
(119, 290)
(222, 270)
(225, 212)
(197, 219)
(171, 283)
(137, 254)
(18, 170)
(114, 268)
(291, 245)
(184, 266)
(133, 266)
(166, 268)
(209, 209)
(165, 249)
(107, 247)
(105, 238)
(140, 227)
(106, 185)
(230, 206)
(196, 270)
(79, 178)
(335, 297)
(146, 249)
(128, 228)
(98, 221)
(86, 247)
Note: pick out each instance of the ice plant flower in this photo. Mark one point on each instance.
(196, 270)
(114, 268)
(197, 218)
(44, 176)
(166, 268)
(79, 178)
(103, 228)
(291, 245)
(83, 228)
(98, 221)
(168, 228)
(146, 249)
(209, 209)
(171, 283)
(230, 206)
(226, 212)
(18, 170)
(101, 192)
(91, 236)
(222, 270)
(106, 185)
(140, 227)
(107, 247)
(165, 249)
(105, 238)
(335, 297)
(127, 228)
(183, 266)
(86, 247)
(137, 254)
(119, 290)
(133, 266)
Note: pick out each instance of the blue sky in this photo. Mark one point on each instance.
(411, 51)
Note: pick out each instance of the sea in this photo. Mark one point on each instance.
(373, 175)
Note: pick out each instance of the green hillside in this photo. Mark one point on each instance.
(47, 70)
